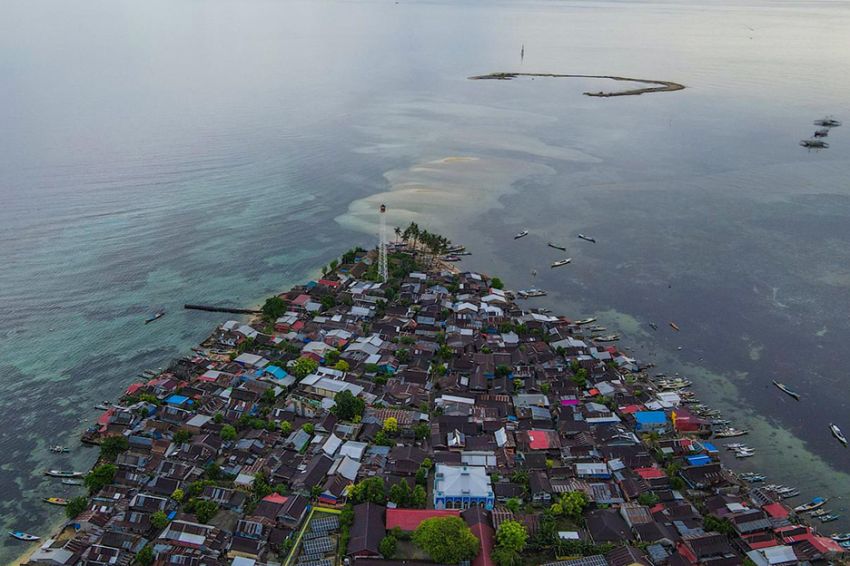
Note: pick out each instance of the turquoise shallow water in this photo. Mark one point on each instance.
(170, 152)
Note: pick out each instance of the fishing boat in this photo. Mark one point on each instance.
(836, 432)
(156, 316)
(819, 512)
(608, 338)
(789, 494)
(814, 144)
(815, 503)
(744, 453)
(784, 388)
(64, 474)
(753, 478)
(845, 544)
(585, 321)
(730, 432)
(102, 407)
(829, 518)
(59, 449)
(20, 535)
(587, 238)
(561, 262)
(455, 249)
(522, 234)
(822, 133)
(828, 122)
(55, 501)
(72, 482)
(735, 446)
(451, 258)
(840, 537)
(556, 246)
(674, 326)
(531, 293)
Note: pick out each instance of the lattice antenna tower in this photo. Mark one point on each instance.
(382, 245)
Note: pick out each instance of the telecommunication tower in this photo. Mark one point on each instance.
(382, 246)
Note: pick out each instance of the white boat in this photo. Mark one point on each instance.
(59, 449)
(730, 432)
(828, 122)
(64, 474)
(72, 482)
(837, 537)
(530, 293)
(836, 432)
(522, 234)
(561, 262)
(20, 535)
(815, 503)
(585, 321)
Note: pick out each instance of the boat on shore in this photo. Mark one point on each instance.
(561, 262)
(556, 246)
(451, 258)
(784, 388)
(587, 238)
(156, 316)
(55, 501)
(20, 535)
(836, 432)
(64, 474)
(814, 504)
(522, 234)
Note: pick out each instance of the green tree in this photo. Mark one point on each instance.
(331, 357)
(648, 498)
(513, 504)
(370, 489)
(145, 556)
(112, 446)
(273, 308)
(285, 427)
(571, 505)
(419, 497)
(76, 506)
(446, 540)
(388, 546)
(100, 477)
(722, 526)
(505, 556)
(309, 428)
(303, 367)
(178, 495)
(159, 520)
(512, 535)
(422, 431)
(496, 283)
(391, 425)
(218, 418)
(181, 436)
(347, 406)
(205, 510)
(228, 433)
(342, 365)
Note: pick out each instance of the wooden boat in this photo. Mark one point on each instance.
(522, 234)
(829, 518)
(730, 432)
(156, 316)
(840, 537)
(556, 246)
(674, 326)
(784, 388)
(587, 238)
(836, 432)
(531, 293)
(827, 122)
(585, 321)
(20, 535)
(64, 474)
(815, 503)
(608, 338)
(59, 449)
(561, 262)
(55, 501)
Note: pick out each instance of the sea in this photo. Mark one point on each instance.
(166, 152)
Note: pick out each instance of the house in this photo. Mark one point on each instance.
(651, 421)
(462, 487)
(367, 531)
(606, 525)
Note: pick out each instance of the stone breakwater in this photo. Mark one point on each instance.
(662, 86)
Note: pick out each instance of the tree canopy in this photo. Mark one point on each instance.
(446, 540)
(303, 367)
(347, 406)
(100, 477)
(512, 535)
(273, 308)
(370, 489)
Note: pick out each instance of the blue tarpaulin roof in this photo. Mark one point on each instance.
(650, 417)
(177, 399)
(700, 460)
(279, 373)
(709, 447)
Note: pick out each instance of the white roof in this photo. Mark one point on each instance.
(251, 360)
(331, 445)
(779, 554)
(198, 420)
(353, 449)
(461, 481)
(348, 468)
(501, 437)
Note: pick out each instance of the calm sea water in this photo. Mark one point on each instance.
(161, 152)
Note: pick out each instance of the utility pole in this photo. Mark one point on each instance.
(382, 246)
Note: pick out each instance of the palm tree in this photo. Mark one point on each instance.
(397, 231)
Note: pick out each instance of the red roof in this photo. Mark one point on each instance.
(538, 439)
(776, 510)
(133, 388)
(301, 300)
(629, 409)
(328, 283)
(484, 533)
(409, 519)
(275, 498)
(650, 473)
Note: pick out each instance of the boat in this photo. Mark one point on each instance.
(20, 535)
(819, 512)
(784, 388)
(522, 234)
(735, 446)
(585, 321)
(814, 144)
(72, 482)
(653, 326)
(790, 494)
(828, 122)
(730, 432)
(531, 293)
(674, 326)
(556, 246)
(587, 238)
(829, 518)
(608, 338)
(822, 133)
(64, 474)
(156, 316)
(840, 537)
(815, 503)
(59, 449)
(845, 544)
(836, 432)
(455, 249)
(55, 501)
(450, 258)
(102, 407)
(753, 478)
(561, 262)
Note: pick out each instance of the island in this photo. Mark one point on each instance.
(428, 417)
(662, 86)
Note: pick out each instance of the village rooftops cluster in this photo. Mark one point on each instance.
(462, 401)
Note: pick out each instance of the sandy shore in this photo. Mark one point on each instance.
(663, 86)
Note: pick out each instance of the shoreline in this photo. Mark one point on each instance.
(664, 86)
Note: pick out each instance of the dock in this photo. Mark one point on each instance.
(232, 310)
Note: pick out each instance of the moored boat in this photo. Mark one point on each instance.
(522, 234)
(829, 518)
(587, 238)
(561, 262)
(674, 326)
(531, 293)
(556, 246)
(836, 432)
(20, 535)
(815, 503)
(64, 474)
(156, 316)
(784, 388)
(585, 321)
(55, 501)
(840, 537)
(730, 432)
(608, 338)
(59, 449)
